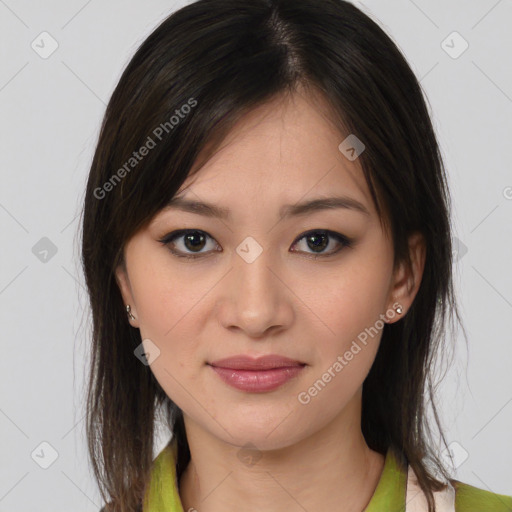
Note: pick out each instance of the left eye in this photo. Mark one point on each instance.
(318, 240)
(194, 240)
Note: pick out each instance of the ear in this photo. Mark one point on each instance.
(123, 282)
(407, 280)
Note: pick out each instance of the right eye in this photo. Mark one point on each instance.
(191, 239)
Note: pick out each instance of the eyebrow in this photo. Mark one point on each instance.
(286, 211)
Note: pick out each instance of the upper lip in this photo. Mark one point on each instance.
(243, 362)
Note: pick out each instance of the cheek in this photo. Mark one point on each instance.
(346, 301)
(167, 309)
(166, 314)
(166, 297)
(345, 318)
(348, 330)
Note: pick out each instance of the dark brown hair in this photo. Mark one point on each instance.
(198, 72)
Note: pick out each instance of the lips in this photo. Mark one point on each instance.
(267, 362)
(257, 375)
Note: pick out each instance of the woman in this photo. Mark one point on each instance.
(267, 250)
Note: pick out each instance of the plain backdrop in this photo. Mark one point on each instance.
(51, 107)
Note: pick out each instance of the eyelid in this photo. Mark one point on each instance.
(170, 237)
(345, 241)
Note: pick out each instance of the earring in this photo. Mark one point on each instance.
(399, 310)
(129, 312)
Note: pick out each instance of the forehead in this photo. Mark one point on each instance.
(281, 152)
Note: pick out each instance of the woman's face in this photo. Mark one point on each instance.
(255, 287)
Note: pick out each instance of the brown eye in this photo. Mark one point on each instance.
(192, 240)
(319, 240)
(189, 243)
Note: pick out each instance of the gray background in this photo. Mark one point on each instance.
(50, 112)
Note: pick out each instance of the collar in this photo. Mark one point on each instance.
(162, 494)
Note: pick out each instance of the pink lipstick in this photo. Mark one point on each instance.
(257, 374)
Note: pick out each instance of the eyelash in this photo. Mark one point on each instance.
(342, 239)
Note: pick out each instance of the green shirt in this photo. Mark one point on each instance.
(389, 496)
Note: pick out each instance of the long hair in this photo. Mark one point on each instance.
(200, 71)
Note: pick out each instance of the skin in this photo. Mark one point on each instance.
(309, 456)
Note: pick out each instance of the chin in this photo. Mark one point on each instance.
(265, 437)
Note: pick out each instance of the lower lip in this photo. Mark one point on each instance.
(257, 380)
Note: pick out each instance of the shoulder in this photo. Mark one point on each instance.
(456, 497)
(473, 499)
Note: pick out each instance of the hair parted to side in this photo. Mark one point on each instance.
(223, 58)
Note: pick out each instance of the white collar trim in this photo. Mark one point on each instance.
(415, 500)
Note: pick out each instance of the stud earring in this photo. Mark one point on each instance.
(399, 310)
(129, 312)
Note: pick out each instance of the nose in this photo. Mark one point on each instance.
(255, 298)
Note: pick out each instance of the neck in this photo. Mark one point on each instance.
(329, 467)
